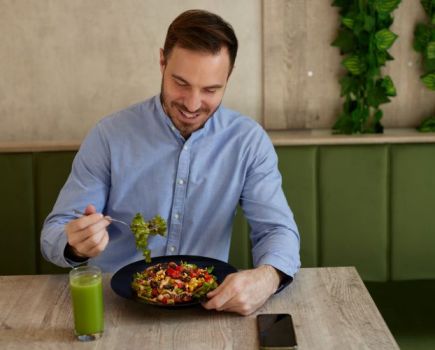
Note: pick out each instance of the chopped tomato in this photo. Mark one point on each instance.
(208, 278)
(173, 273)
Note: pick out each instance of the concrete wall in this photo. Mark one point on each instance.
(302, 70)
(66, 64)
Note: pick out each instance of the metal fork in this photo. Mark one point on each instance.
(78, 212)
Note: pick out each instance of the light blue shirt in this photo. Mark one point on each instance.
(137, 161)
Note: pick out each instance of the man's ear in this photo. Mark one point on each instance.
(162, 61)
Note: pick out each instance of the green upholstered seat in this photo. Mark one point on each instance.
(413, 211)
(299, 180)
(368, 206)
(51, 172)
(17, 224)
(353, 209)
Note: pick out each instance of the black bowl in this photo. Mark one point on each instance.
(122, 279)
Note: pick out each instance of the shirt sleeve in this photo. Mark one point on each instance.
(88, 183)
(274, 233)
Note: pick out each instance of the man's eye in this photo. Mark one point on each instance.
(210, 91)
(180, 83)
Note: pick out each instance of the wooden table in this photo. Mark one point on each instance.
(331, 309)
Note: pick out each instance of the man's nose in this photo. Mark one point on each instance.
(193, 101)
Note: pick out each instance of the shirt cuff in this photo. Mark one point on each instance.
(285, 281)
(71, 258)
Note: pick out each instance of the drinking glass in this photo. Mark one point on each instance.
(87, 299)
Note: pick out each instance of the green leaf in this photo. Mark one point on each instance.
(428, 125)
(382, 57)
(377, 126)
(348, 85)
(142, 229)
(345, 41)
(378, 116)
(354, 64)
(429, 65)
(340, 3)
(388, 85)
(430, 50)
(422, 36)
(428, 5)
(347, 22)
(429, 80)
(369, 23)
(377, 96)
(384, 39)
(386, 6)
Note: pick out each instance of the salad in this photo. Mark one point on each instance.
(171, 283)
(142, 229)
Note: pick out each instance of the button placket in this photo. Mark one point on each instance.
(174, 233)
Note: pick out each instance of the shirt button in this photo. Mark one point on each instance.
(185, 148)
(173, 127)
(172, 249)
(181, 181)
(177, 216)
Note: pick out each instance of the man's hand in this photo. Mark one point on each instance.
(244, 292)
(87, 236)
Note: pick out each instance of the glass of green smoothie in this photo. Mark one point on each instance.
(87, 299)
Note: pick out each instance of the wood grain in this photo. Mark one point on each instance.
(331, 309)
(296, 41)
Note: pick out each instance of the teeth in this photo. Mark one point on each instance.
(189, 115)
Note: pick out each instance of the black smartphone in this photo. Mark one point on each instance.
(276, 331)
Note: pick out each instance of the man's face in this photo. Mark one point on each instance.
(193, 84)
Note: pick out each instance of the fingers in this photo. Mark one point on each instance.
(84, 222)
(243, 292)
(88, 246)
(236, 303)
(222, 295)
(90, 209)
(88, 235)
(100, 246)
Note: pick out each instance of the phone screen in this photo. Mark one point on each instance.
(276, 331)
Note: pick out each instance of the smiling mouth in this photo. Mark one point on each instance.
(188, 115)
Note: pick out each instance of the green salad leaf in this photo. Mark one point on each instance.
(204, 289)
(142, 229)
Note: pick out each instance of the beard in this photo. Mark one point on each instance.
(169, 106)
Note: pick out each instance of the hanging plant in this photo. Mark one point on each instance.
(424, 42)
(364, 39)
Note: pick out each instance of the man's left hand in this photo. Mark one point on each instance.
(245, 291)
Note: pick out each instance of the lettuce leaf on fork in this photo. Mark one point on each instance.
(142, 229)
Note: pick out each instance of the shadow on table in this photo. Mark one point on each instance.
(138, 312)
(408, 308)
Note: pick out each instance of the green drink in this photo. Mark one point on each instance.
(87, 298)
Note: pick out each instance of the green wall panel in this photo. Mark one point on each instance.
(51, 172)
(353, 197)
(17, 229)
(298, 169)
(348, 204)
(413, 211)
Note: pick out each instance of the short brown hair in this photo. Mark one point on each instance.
(200, 30)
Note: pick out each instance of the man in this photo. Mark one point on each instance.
(187, 158)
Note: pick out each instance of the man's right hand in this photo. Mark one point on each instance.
(88, 236)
